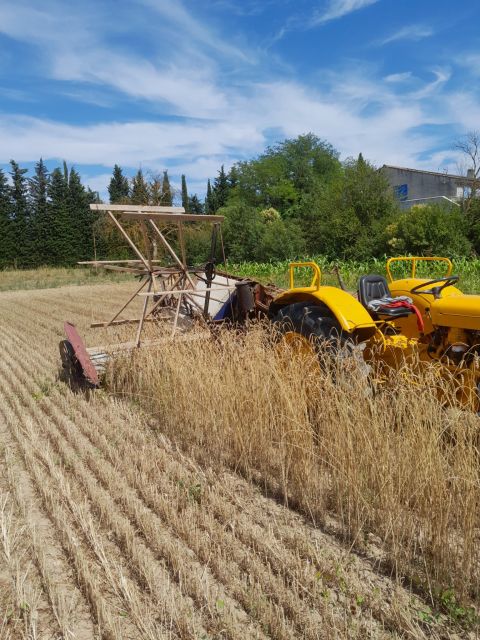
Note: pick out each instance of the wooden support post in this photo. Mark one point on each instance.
(130, 242)
(147, 242)
(181, 240)
(144, 310)
(164, 294)
(177, 311)
(127, 303)
(172, 252)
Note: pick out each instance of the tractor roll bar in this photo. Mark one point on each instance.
(414, 260)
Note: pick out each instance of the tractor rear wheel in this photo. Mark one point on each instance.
(310, 326)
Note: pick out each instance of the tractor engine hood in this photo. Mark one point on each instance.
(456, 311)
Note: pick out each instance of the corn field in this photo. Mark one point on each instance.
(277, 272)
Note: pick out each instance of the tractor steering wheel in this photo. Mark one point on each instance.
(447, 281)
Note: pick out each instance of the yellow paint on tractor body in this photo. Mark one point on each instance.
(351, 315)
(451, 335)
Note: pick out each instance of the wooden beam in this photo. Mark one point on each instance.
(114, 267)
(193, 292)
(95, 325)
(144, 311)
(136, 207)
(127, 237)
(163, 294)
(170, 217)
(97, 263)
(137, 291)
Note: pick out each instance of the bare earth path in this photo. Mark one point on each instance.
(108, 531)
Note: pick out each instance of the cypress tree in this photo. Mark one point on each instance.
(60, 240)
(41, 219)
(167, 198)
(22, 232)
(155, 191)
(209, 201)
(221, 189)
(139, 192)
(194, 204)
(118, 188)
(6, 224)
(80, 220)
(185, 198)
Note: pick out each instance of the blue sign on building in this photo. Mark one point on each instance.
(401, 191)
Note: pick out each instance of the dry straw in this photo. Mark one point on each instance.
(388, 459)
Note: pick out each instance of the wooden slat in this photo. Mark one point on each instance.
(195, 292)
(170, 217)
(136, 207)
(95, 263)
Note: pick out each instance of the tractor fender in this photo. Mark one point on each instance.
(349, 312)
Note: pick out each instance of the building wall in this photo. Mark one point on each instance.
(409, 185)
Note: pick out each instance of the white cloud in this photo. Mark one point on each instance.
(175, 12)
(129, 144)
(98, 183)
(441, 77)
(74, 49)
(339, 8)
(413, 32)
(198, 148)
(398, 77)
(470, 61)
(187, 91)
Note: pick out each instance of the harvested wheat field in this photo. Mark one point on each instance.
(110, 530)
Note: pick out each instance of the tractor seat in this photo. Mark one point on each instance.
(376, 297)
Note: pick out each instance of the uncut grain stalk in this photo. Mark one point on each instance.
(378, 461)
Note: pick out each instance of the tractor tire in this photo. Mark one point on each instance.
(314, 323)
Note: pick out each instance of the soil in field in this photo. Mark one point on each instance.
(108, 531)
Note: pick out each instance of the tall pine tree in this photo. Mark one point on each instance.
(194, 204)
(23, 236)
(80, 219)
(167, 197)
(118, 189)
(139, 192)
(60, 240)
(155, 191)
(221, 189)
(40, 213)
(185, 198)
(209, 200)
(7, 246)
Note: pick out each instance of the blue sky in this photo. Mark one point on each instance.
(190, 85)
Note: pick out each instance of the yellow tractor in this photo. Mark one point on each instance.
(409, 319)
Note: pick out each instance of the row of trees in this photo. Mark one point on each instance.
(295, 199)
(45, 219)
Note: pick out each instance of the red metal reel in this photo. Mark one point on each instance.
(81, 354)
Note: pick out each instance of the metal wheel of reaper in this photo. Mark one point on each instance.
(169, 289)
